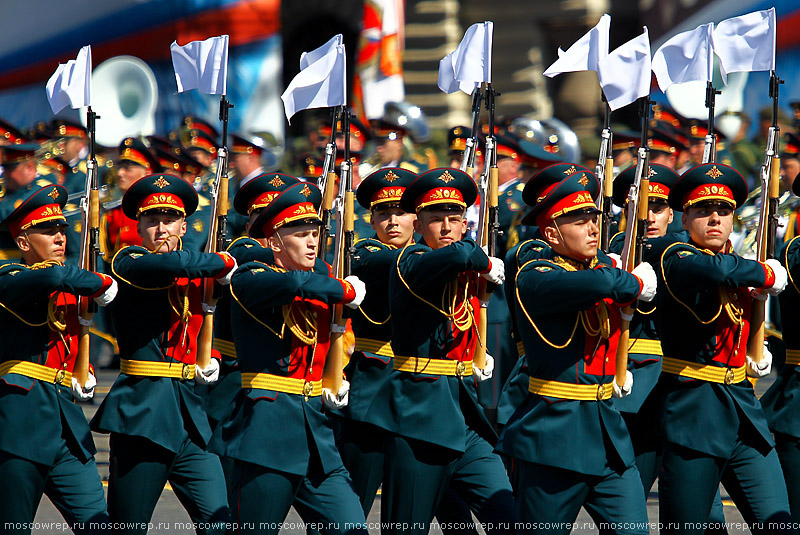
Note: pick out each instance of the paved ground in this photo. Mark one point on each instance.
(170, 518)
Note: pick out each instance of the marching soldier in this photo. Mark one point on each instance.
(46, 446)
(74, 143)
(713, 426)
(158, 427)
(568, 313)
(277, 431)
(438, 433)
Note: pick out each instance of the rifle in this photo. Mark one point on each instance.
(327, 183)
(217, 237)
(488, 225)
(90, 249)
(343, 250)
(768, 220)
(605, 171)
(468, 159)
(635, 237)
(710, 147)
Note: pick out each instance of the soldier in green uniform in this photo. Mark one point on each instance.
(713, 426)
(438, 436)
(73, 141)
(277, 431)
(568, 313)
(45, 446)
(158, 427)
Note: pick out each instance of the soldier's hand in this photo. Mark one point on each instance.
(645, 273)
(624, 390)
(85, 392)
(487, 371)
(781, 278)
(360, 291)
(339, 400)
(109, 293)
(207, 375)
(231, 265)
(496, 273)
(763, 367)
(616, 259)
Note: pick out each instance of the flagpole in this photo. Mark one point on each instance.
(710, 148)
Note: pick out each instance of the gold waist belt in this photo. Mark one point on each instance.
(793, 357)
(278, 383)
(171, 370)
(556, 389)
(520, 349)
(376, 347)
(433, 366)
(36, 371)
(704, 372)
(645, 346)
(225, 347)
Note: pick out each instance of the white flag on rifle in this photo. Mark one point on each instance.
(201, 65)
(322, 80)
(625, 73)
(585, 53)
(746, 43)
(470, 63)
(71, 84)
(686, 57)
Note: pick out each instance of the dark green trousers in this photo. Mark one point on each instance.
(690, 479)
(74, 488)
(788, 449)
(417, 475)
(326, 502)
(549, 500)
(139, 469)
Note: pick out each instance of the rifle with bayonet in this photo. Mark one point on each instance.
(90, 249)
(342, 254)
(768, 218)
(217, 238)
(471, 149)
(635, 237)
(327, 183)
(605, 172)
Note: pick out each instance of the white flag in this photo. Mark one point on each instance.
(470, 63)
(585, 53)
(201, 65)
(625, 73)
(72, 82)
(746, 43)
(322, 80)
(686, 57)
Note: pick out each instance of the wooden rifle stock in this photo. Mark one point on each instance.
(484, 291)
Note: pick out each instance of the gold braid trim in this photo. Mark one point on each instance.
(372, 321)
(675, 297)
(273, 331)
(786, 264)
(309, 336)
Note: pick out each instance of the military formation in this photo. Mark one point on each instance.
(248, 426)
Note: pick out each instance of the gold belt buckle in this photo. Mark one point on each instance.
(308, 388)
(601, 392)
(460, 369)
(60, 376)
(186, 372)
(729, 376)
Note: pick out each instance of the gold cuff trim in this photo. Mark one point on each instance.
(556, 389)
(225, 347)
(288, 385)
(645, 347)
(170, 370)
(376, 347)
(36, 371)
(704, 372)
(433, 366)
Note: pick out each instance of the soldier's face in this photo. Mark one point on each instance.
(507, 170)
(574, 236)
(391, 150)
(709, 224)
(160, 232)
(295, 248)
(659, 216)
(440, 228)
(127, 174)
(41, 244)
(392, 225)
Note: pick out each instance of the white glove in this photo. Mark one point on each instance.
(496, 274)
(226, 279)
(764, 366)
(624, 390)
(85, 392)
(617, 259)
(207, 375)
(360, 289)
(338, 401)
(106, 297)
(649, 281)
(781, 277)
(481, 375)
